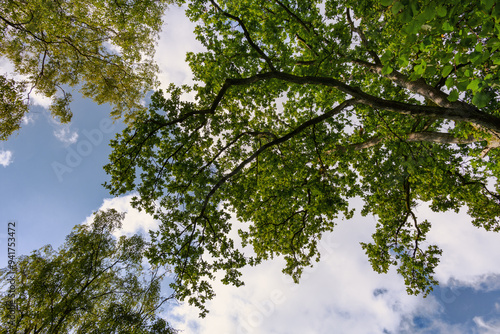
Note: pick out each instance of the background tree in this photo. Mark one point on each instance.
(93, 284)
(303, 105)
(103, 47)
(12, 107)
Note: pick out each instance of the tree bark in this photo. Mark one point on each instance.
(429, 137)
(461, 112)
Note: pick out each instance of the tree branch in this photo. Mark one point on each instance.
(459, 112)
(430, 137)
(275, 142)
(247, 35)
(362, 36)
(418, 86)
(289, 12)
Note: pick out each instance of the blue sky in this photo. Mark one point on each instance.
(51, 180)
(40, 190)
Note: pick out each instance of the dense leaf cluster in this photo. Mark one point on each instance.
(105, 48)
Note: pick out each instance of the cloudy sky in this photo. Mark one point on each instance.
(50, 180)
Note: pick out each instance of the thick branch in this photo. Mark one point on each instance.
(458, 112)
(440, 138)
(227, 84)
(430, 137)
(418, 86)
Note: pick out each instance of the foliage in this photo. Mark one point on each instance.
(93, 284)
(103, 47)
(12, 107)
(303, 105)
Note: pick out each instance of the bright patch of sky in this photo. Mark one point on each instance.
(51, 179)
(135, 221)
(5, 158)
(65, 135)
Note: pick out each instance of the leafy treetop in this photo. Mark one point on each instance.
(103, 47)
(92, 284)
(303, 105)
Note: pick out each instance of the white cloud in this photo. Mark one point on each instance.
(487, 327)
(341, 294)
(176, 39)
(66, 135)
(40, 100)
(468, 251)
(6, 158)
(433, 326)
(134, 222)
(28, 119)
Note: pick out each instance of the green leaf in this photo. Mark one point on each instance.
(462, 84)
(446, 70)
(413, 27)
(403, 61)
(493, 43)
(387, 70)
(429, 13)
(94, 283)
(386, 56)
(420, 69)
(414, 7)
(481, 99)
(474, 85)
(441, 11)
(71, 49)
(453, 96)
(476, 58)
(386, 2)
(488, 3)
(447, 27)
(397, 7)
(449, 82)
(13, 106)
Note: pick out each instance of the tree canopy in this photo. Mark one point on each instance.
(105, 48)
(92, 284)
(301, 106)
